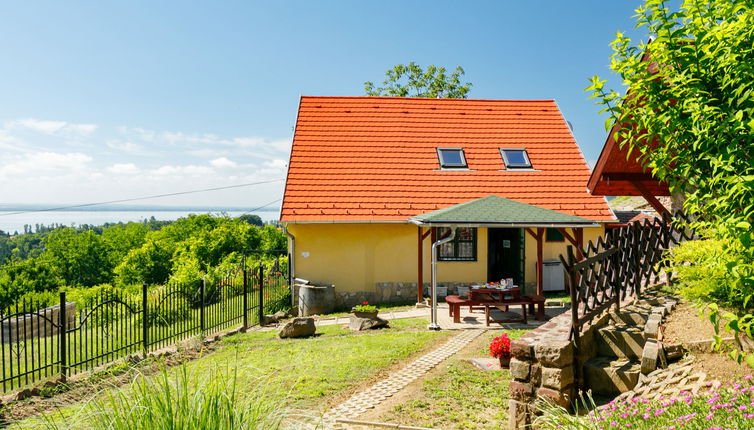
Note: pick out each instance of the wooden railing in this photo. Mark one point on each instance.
(619, 265)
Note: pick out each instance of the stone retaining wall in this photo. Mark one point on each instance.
(542, 366)
(41, 323)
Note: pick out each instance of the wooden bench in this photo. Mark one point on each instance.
(454, 306)
(539, 302)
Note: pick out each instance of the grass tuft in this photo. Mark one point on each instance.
(181, 400)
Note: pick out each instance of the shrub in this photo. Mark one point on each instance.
(701, 268)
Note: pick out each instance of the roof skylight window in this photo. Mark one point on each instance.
(451, 158)
(515, 158)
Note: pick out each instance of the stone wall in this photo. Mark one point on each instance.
(41, 323)
(542, 366)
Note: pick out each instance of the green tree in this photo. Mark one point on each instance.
(150, 263)
(412, 81)
(81, 258)
(19, 277)
(688, 113)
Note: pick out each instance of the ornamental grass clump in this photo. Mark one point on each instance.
(180, 400)
(729, 406)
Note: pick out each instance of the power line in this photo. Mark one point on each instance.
(148, 197)
(261, 207)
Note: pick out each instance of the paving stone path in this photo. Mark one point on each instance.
(670, 382)
(377, 393)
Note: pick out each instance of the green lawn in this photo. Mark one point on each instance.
(458, 395)
(311, 372)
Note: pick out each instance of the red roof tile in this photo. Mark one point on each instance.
(374, 158)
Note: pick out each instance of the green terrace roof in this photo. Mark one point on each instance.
(494, 210)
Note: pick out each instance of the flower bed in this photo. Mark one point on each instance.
(730, 406)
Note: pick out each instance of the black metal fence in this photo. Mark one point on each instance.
(621, 264)
(44, 342)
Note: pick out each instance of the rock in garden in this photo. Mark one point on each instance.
(359, 324)
(298, 327)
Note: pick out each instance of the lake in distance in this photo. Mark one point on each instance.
(15, 222)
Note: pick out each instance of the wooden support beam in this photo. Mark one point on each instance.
(574, 240)
(540, 253)
(656, 205)
(420, 273)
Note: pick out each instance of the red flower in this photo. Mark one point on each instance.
(501, 346)
(365, 303)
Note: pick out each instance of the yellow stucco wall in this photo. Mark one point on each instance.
(355, 257)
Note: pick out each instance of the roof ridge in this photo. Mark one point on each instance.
(422, 98)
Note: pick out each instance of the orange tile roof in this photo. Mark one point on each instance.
(357, 159)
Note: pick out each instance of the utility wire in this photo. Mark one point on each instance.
(261, 207)
(148, 197)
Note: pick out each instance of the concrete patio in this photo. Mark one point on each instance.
(469, 320)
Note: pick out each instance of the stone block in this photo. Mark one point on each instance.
(662, 310)
(555, 353)
(522, 350)
(650, 356)
(652, 329)
(521, 391)
(629, 317)
(519, 416)
(557, 379)
(673, 351)
(611, 377)
(520, 369)
(535, 376)
(556, 397)
(620, 341)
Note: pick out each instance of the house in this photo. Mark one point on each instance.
(373, 182)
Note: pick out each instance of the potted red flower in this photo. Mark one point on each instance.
(365, 310)
(500, 348)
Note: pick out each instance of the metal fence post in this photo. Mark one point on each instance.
(201, 309)
(261, 293)
(62, 332)
(144, 320)
(245, 299)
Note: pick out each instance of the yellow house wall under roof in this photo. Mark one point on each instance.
(355, 257)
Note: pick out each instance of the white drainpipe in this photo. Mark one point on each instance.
(433, 325)
(291, 263)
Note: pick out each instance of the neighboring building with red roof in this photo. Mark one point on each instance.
(361, 167)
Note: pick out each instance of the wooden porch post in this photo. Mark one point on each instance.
(420, 274)
(540, 237)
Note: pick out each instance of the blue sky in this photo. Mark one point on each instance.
(113, 100)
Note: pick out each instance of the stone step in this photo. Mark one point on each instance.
(630, 317)
(611, 377)
(620, 341)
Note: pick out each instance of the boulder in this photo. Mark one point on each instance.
(274, 318)
(298, 327)
(359, 324)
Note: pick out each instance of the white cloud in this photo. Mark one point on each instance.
(222, 163)
(189, 170)
(55, 128)
(44, 163)
(276, 163)
(128, 147)
(123, 169)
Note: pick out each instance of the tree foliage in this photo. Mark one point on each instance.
(98, 258)
(410, 80)
(688, 113)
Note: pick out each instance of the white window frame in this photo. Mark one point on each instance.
(445, 165)
(507, 163)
